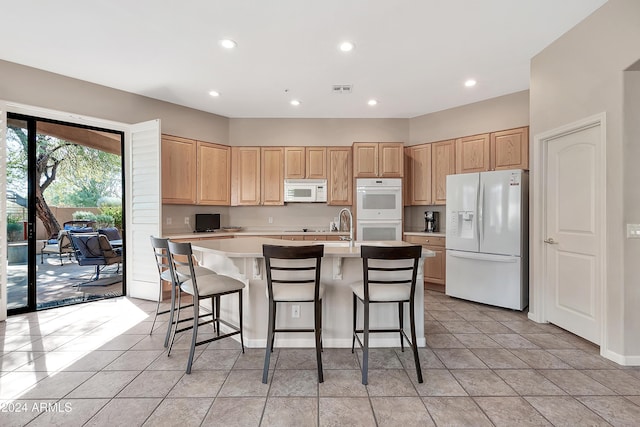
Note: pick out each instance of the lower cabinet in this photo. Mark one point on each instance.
(434, 267)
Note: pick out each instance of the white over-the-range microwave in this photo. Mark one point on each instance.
(305, 190)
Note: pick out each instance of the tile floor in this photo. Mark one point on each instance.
(96, 365)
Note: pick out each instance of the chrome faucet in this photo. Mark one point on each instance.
(350, 238)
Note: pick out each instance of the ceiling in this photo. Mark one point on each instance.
(412, 56)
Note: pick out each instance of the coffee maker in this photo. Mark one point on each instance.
(431, 221)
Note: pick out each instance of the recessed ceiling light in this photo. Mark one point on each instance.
(214, 94)
(372, 102)
(228, 43)
(295, 102)
(470, 83)
(347, 46)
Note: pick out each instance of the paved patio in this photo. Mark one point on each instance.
(62, 284)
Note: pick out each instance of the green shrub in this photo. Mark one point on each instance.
(104, 221)
(84, 215)
(115, 212)
(14, 228)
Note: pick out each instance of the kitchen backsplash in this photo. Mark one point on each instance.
(292, 216)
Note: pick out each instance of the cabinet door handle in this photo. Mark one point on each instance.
(550, 241)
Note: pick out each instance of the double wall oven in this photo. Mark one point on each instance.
(379, 208)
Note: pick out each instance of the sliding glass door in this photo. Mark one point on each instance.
(20, 218)
(62, 179)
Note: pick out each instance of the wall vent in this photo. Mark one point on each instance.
(342, 89)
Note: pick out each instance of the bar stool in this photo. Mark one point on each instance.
(161, 252)
(386, 287)
(294, 278)
(202, 286)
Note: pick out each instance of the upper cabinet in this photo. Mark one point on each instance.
(316, 159)
(510, 149)
(213, 174)
(245, 176)
(340, 180)
(272, 176)
(472, 153)
(195, 172)
(305, 162)
(443, 161)
(407, 188)
(373, 159)
(257, 176)
(421, 175)
(178, 170)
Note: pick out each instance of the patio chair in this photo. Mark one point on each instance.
(60, 244)
(112, 233)
(95, 249)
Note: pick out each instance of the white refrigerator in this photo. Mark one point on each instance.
(487, 238)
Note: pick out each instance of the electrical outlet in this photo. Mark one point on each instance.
(186, 220)
(270, 219)
(295, 311)
(168, 220)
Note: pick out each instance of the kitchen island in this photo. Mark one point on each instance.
(241, 258)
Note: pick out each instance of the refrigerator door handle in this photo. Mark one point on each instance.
(483, 257)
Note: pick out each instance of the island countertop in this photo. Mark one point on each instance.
(242, 259)
(251, 247)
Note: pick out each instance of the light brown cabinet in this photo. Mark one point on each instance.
(434, 267)
(316, 159)
(272, 176)
(378, 159)
(245, 176)
(294, 162)
(213, 174)
(472, 153)
(510, 149)
(305, 162)
(292, 237)
(421, 175)
(407, 187)
(257, 176)
(178, 170)
(443, 158)
(340, 180)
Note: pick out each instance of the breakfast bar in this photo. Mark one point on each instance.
(241, 258)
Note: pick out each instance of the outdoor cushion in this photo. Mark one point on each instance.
(112, 233)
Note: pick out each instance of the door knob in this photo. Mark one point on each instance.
(550, 241)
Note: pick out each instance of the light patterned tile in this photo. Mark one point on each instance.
(510, 411)
(347, 411)
(235, 412)
(565, 411)
(292, 411)
(615, 409)
(180, 411)
(456, 411)
(404, 411)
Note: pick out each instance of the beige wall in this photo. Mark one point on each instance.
(39, 88)
(579, 75)
(292, 132)
(503, 112)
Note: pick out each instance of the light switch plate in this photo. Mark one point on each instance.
(633, 231)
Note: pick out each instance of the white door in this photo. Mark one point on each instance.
(462, 212)
(574, 220)
(144, 207)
